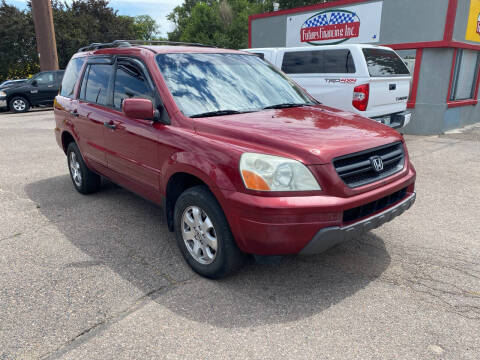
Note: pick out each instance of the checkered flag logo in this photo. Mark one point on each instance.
(331, 18)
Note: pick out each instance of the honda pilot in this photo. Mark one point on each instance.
(242, 160)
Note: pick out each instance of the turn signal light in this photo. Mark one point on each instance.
(360, 97)
(254, 182)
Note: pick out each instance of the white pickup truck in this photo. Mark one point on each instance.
(369, 80)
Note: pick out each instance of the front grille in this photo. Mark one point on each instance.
(357, 170)
(373, 207)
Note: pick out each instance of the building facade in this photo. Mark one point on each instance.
(438, 39)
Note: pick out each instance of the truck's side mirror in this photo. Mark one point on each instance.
(34, 83)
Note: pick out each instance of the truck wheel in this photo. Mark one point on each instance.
(19, 104)
(203, 234)
(84, 180)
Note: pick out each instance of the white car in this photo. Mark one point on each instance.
(369, 80)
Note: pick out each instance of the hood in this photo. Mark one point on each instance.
(12, 86)
(311, 134)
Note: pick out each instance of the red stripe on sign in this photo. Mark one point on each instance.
(330, 32)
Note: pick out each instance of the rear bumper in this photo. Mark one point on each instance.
(286, 225)
(396, 121)
(330, 236)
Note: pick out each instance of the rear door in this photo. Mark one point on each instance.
(389, 81)
(93, 110)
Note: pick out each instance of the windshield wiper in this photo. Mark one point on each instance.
(285, 105)
(217, 113)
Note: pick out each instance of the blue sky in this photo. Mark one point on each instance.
(158, 9)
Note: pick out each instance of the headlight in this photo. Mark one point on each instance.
(3, 93)
(273, 173)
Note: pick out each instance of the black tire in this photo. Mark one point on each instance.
(228, 257)
(19, 104)
(89, 182)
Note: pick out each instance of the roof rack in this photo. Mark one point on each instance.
(129, 43)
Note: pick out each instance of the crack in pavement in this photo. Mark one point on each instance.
(101, 326)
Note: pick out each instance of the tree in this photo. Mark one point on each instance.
(18, 55)
(221, 23)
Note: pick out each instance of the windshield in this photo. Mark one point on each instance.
(226, 83)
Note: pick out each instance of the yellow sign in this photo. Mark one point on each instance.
(473, 26)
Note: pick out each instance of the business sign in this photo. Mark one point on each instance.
(354, 24)
(473, 25)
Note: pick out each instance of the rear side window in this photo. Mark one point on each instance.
(318, 62)
(95, 83)
(130, 81)
(70, 77)
(384, 63)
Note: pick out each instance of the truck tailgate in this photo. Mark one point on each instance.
(388, 94)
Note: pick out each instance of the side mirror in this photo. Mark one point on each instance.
(34, 83)
(138, 108)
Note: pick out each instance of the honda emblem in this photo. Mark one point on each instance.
(377, 163)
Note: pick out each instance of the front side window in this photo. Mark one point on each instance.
(71, 75)
(318, 62)
(44, 78)
(130, 81)
(465, 74)
(95, 83)
(384, 63)
(202, 83)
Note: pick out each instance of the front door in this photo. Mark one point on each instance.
(45, 89)
(132, 144)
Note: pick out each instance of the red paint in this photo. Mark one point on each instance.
(457, 103)
(450, 20)
(452, 71)
(143, 156)
(138, 108)
(433, 44)
(416, 75)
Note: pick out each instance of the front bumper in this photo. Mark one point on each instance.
(286, 225)
(3, 103)
(330, 236)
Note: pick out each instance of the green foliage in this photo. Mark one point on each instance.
(18, 56)
(222, 23)
(77, 23)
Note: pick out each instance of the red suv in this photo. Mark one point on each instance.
(241, 158)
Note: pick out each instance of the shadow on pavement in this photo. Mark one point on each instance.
(128, 234)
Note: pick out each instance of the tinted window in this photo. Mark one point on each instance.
(318, 62)
(95, 83)
(466, 68)
(130, 81)
(44, 78)
(203, 83)
(71, 75)
(260, 55)
(382, 63)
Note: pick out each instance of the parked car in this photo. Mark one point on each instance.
(10, 83)
(40, 90)
(368, 80)
(242, 160)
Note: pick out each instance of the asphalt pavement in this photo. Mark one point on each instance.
(100, 276)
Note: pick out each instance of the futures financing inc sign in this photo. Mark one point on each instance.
(360, 23)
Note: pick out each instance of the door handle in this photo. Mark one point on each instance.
(392, 87)
(50, 86)
(74, 113)
(110, 125)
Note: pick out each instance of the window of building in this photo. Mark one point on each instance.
(71, 75)
(464, 75)
(130, 81)
(318, 62)
(95, 83)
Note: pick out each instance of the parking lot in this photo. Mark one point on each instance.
(100, 277)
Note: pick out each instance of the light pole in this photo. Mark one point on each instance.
(45, 34)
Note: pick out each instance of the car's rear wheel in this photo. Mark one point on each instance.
(84, 180)
(19, 104)
(204, 236)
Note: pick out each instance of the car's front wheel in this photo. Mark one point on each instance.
(84, 180)
(204, 236)
(19, 104)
